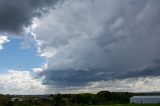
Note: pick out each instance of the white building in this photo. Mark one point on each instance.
(145, 99)
(16, 99)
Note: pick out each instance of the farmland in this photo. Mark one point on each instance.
(130, 105)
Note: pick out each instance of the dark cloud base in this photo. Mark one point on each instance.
(80, 77)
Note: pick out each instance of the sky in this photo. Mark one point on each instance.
(75, 46)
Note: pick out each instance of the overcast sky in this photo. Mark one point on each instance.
(73, 46)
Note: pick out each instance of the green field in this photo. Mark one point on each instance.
(130, 105)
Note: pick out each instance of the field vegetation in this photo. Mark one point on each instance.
(102, 98)
(130, 105)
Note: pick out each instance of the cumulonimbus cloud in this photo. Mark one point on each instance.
(99, 40)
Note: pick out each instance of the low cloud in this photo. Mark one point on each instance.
(20, 82)
(139, 84)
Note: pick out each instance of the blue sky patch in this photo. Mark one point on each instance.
(13, 57)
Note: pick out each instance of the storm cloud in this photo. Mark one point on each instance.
(88, 43)
(15, 15)
(99, 40)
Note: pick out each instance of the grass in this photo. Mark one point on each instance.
(132, 105)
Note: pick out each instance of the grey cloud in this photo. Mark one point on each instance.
(73, 77)
(151, 70)
(100, 40)
(77, 78)
(17, 14)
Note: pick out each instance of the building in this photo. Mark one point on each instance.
(16, 99)
(145, 99)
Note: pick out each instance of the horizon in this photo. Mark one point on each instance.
(142, 93)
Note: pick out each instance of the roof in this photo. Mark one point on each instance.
(146, 97)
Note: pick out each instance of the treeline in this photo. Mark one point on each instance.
(101, 98)
(83, 99)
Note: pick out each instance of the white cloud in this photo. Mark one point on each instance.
(37, 70)
(47, 52)
(20, 82)
(3, 40)
(140, 84)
